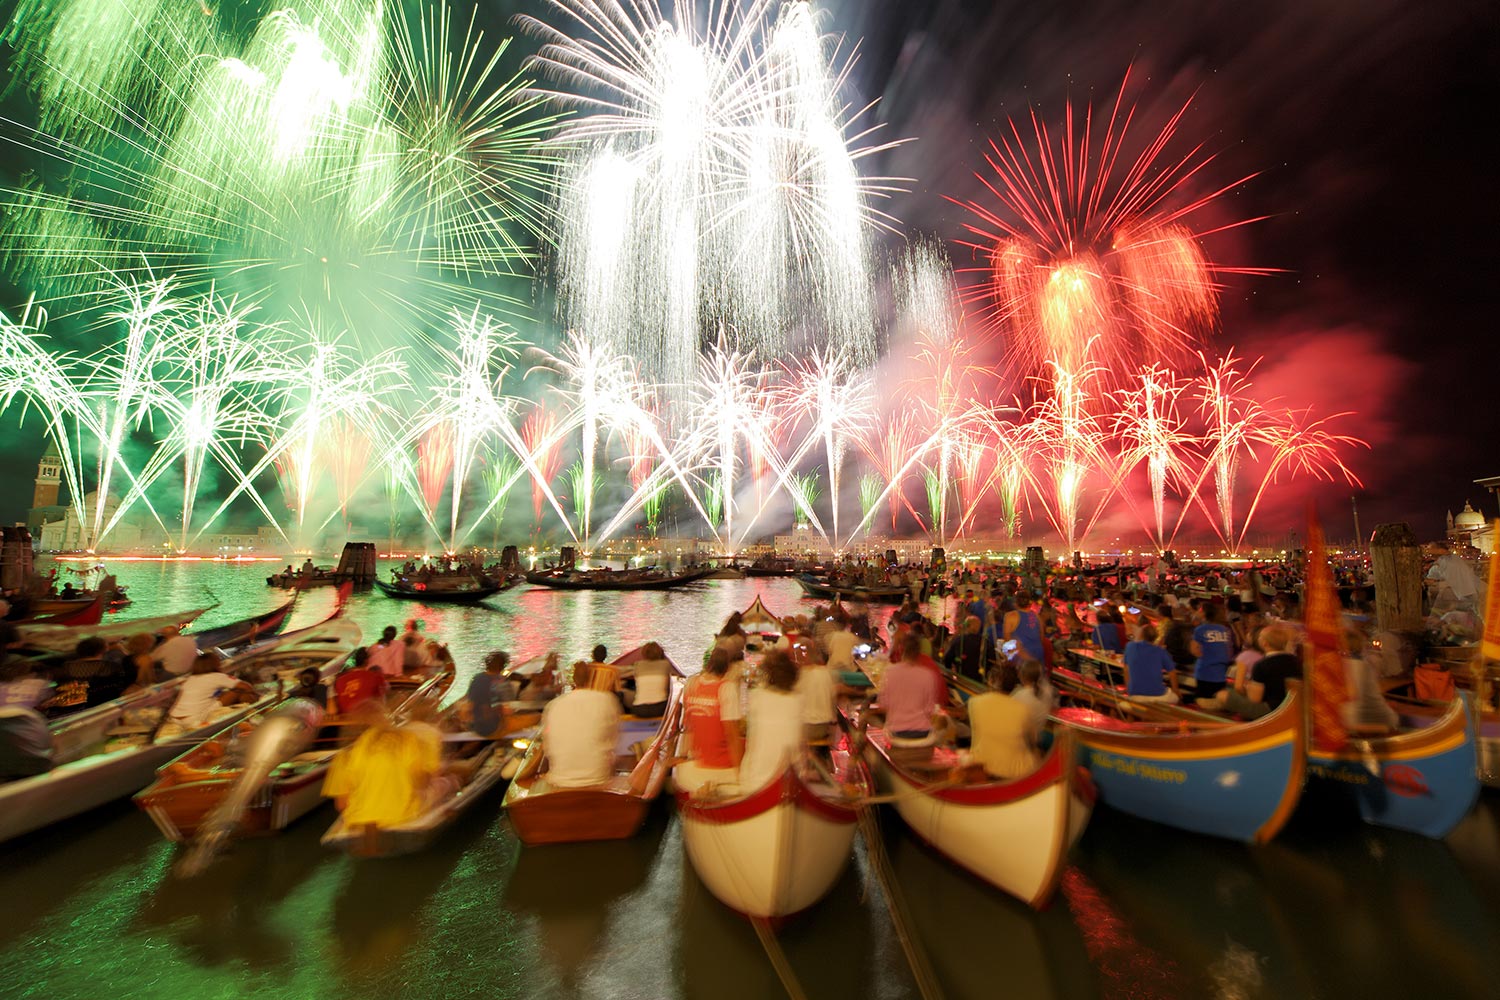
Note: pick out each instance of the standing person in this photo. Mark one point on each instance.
(773, 723)
(1149, 669)
(713, 744)
(359, 682)
(388, 656)
(1213, 645)
(1024, 626)
(579, 732)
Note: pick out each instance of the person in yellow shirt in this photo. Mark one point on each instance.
(386, 777)
(1001, 728)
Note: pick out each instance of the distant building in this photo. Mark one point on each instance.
(44, 495)
(1469, 527)
(66, 534)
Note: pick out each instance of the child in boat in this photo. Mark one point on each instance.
(712, 744)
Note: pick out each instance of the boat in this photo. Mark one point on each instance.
(112, 750)
(1241, 781)
(542, 814)
(776, 851)
(246, 630)
(756, 618)
(1012, 834)
(648, 579)
(447, 590)
(189, 790)
(825, 590)
(1422, 780)
(64, 638)
(1419, 713)
(771, 566)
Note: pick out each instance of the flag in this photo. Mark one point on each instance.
(1490, 644)
(1322, 617)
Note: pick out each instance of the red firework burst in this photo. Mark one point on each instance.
(1089, 254)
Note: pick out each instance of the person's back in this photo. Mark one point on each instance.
(910, 693)
(1214, 644)
(708, 709)
(176, 654)
(840, 645)
(773, 723)
(580, 730)
(652, 680)
(1147, 666)
(382, 777)
(359, 684)
(1272, 672)
(198, 698)
(1001, 727)
(1109, 637)
(817, 688)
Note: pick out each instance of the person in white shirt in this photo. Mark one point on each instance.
(773, 723)
(204, 692)
(651, 673)
(840, 646)
(579, 732)
(177, 652)
(388, 655)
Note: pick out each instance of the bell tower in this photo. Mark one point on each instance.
(48, 477)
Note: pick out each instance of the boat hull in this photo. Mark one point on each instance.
(437, 595)
(773, 853)
(1428, 778)
(821, 590)
(562, 582)
(1241, 782)
(1015, 835)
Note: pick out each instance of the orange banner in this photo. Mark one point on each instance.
(1323, 619)
(1491, 641)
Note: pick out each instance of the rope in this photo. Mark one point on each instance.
(777, 956)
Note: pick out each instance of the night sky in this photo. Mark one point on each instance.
(1365, 124)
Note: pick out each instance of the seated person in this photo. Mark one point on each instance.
(773, 723)
(359, 682)
(1039, 697)
(1366, 708)
(176, 652)
(712, 745)
(1150, 673)
(389, 775)
(818, 687)
(206, 693)
(25, 740)
(310, 686)
(651, 672)
(579, 733)
(1109, 633)
(487, 691)
(912, 696)
(1264, 687)
(1001, 729)
(545, 685)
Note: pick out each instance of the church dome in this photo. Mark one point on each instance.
(1468, 519)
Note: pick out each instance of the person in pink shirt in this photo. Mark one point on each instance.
(912, 694)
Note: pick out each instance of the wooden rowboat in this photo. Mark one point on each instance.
(1015, 835)
(1236, 780)
(828, 591)
(622, 580)
(543, 814)
(777, 851)
(112, 750)
(440, 591)
(188, 790)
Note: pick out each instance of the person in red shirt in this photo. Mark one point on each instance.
(711, 723)
(360, 681)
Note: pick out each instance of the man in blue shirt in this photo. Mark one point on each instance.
(486, 693)
(1148, 669)
(1213, 644)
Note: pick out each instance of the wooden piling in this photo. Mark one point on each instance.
(1396, 560)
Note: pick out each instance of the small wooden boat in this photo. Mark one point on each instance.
(756, 618)
(85, 611)
(772, 566)
(112, 750)
(63, 639)
(189, 790)
(542, 814)
(1014, 835)
(825, 590)
(246, 630)
(1236, 780)
(1422, 781)
(615, 580)
(487, 772)
(778, 850)
(447, 590)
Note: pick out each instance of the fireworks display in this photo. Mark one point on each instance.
(310, 241)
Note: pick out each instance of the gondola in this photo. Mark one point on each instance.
(823, 590)
(63, 638)
(622, 580)
(246, 630)
(438, 591)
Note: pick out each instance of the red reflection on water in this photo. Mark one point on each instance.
(1127, 968)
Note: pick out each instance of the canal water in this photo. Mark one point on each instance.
(1332, 909)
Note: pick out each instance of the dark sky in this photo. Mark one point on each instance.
(1365, 122)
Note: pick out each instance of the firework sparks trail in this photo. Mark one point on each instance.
(1071, 444)
(1089, 254)
(1151, 429)
(1236, 424)
(836, 403)
(889, 451)
(543, 447)
(434, 466)
(711, 180)
(944, 393)
(363, 167)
